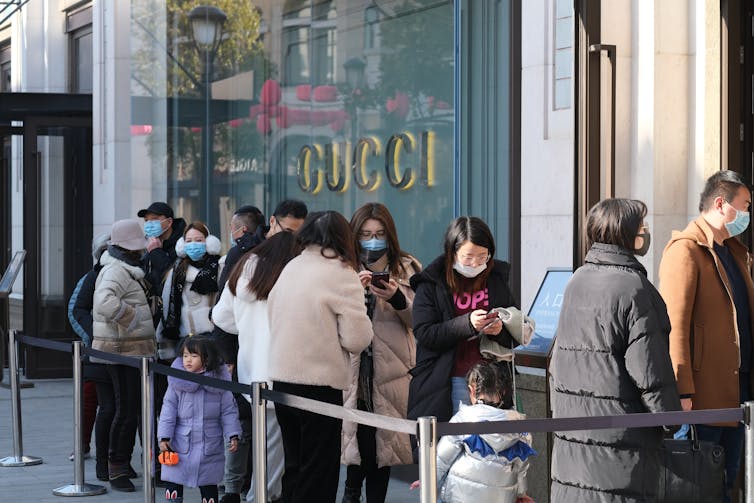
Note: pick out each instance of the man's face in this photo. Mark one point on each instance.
(164, 221)
(287, 224)
(237, 228)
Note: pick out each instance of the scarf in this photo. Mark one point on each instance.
(123, 255)
(205, 283)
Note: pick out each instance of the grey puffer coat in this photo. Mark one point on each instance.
(488, 468)
(122, 319)
(610, 357)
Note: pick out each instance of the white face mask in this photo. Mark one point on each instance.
(469, 271)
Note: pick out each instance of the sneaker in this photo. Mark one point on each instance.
(351, 495)
(87, 455)
(132, 473)
(123, 484)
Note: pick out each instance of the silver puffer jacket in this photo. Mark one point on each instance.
(475, 467)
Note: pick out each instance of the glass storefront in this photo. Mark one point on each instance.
(334, 102)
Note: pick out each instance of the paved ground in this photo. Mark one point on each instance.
(47, 422)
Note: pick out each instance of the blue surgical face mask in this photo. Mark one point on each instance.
(739, 224)
(374, 244)
(153, 228)
(195, 250)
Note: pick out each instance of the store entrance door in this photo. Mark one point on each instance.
(57, 232)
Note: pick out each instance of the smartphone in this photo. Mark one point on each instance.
(380, 279)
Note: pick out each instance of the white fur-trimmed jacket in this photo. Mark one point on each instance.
(195, 307)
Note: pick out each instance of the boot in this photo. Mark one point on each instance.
(231, 498)
(351, 495)
(172, 496)
(123, 484)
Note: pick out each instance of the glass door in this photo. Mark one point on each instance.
(57, 226)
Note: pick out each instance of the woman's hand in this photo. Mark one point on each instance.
(233, 446)
(164, 445)
(482, 324)
(365, 277)
(387, 292)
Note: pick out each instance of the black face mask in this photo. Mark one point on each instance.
(646, 239)
(369, 257)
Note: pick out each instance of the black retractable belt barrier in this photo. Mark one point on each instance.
(428, 428)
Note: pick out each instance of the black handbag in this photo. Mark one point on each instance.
(693, 470)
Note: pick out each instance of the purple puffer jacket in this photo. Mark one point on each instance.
(197, 420)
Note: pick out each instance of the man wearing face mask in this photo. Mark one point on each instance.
(162, 230)
(706, 284)
(243, 236)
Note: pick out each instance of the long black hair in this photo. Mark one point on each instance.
(329, 230)
(273, 255)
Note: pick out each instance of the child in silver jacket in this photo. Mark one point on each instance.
(490, 467)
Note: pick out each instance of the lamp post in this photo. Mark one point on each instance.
(206, 30)
(355, 79)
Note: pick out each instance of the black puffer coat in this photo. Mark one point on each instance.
(438, 331)
(610, 358)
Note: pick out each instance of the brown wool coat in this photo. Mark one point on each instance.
(704, 345)
(394, 354)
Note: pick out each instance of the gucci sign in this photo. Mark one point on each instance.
(406, 163)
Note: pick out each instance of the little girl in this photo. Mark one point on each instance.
(193, 422)
(490, 467)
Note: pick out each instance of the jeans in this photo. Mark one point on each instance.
(236, 463)
(459, 392)
(377, 478)
(730, 438)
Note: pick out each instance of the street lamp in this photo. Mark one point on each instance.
(206, 30)
(355, 79)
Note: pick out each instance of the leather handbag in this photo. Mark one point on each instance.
(693, 470)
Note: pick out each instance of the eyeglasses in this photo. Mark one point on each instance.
(369, 234)
(478, 259)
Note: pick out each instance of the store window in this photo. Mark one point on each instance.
(5, 75)
(335, 103)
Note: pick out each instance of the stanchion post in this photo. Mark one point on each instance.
(428, 459)
(147, 430)
(749, 452)
(259, 440)
(18, 458)
(78, 488)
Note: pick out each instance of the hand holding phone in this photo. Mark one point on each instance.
(380, 279)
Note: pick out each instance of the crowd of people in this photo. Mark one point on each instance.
(384, 334)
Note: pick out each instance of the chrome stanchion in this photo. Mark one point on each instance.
(259, 441)
(18, 458)
(749, 452)
(428, 459)
(147, 431)
(79, 487)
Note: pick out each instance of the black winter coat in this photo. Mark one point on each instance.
(157, 262)
(610, 357)
(244, 244)
(438, 331)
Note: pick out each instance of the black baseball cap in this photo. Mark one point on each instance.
(158, 208)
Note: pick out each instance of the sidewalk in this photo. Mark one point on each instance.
(47, 423)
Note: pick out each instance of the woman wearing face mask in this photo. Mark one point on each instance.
(611, 357)
(379, 377)
(190, 289)
(453, 296)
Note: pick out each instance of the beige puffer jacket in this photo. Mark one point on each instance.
(122, 317)
(394, 354)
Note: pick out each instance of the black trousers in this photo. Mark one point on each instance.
(377, 478)
(103, 423)
(127, 393)
(312, 445)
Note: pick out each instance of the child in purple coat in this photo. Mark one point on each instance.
(194, 421)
